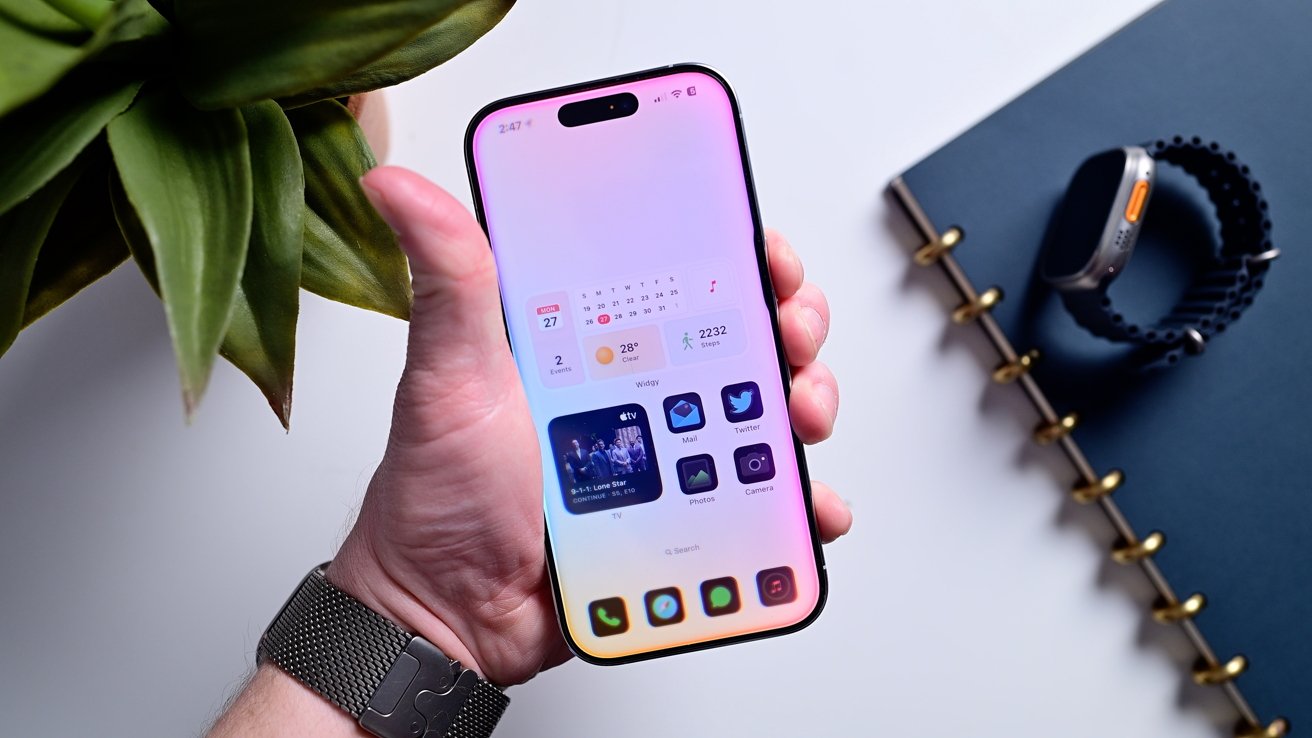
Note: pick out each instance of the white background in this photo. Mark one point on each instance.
(140, 558)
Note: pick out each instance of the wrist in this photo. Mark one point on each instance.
(357, 571)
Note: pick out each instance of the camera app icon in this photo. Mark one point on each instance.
(754, 463)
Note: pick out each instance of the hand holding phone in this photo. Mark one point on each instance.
(637, 299)
(449, 538)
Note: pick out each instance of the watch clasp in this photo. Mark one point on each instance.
(420, 696)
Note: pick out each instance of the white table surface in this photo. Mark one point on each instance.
(140, 558)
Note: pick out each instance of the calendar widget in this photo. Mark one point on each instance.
(555, 344)
(626, 301)
(615, 329)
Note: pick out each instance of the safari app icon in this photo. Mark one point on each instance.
(742, 402)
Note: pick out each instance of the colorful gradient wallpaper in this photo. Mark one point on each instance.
(626, 253)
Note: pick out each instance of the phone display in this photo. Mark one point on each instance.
(638, 306)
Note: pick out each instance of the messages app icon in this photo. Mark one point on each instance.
(742, 402)
(683, 413)
(720, 596)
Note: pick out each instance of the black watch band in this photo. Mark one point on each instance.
(1219, 294)
(396, 684)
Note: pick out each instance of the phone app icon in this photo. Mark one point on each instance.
(697, 474)
(754, 463)
(720, 596)
(609, 616)
(664, 606)
(683, 413)
(776, 586)
(742, 402)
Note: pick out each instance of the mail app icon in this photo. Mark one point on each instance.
(683, 413)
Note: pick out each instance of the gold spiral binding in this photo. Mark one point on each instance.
(1126, 552)
(1009, 371)
(1173, 612)
(986, 301)
(1207, 674)
(937, 249)
(1047, 433)
(1086, 492)
(1277, 729)
(930, 252)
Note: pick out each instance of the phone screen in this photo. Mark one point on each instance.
(631, 267)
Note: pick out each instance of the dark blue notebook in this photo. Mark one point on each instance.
(1215, 450)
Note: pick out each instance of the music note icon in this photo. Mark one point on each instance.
(776, 586)
(712, 286)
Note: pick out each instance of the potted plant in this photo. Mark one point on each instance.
(209, 142)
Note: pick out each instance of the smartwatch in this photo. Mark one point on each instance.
(396, 684)
(1099, 221)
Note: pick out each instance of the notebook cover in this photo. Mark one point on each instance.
(1217, 449)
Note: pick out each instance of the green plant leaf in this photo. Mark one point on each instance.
(43, 138)
(187, 176)
(130, 23)
(351, 254)
(22, 231)
(83, 245)
(30, 63)
(464, 25)
(32, 60)
(236, 52)
(261, 339)
(134, 233)
(165, 7)
(37, 16)
(89, 13)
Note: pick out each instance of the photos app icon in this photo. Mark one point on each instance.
(697, 474)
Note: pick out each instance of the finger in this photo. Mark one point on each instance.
(813, 403)
(785, 268)
(832, 515)
(455, 323)
(804, 324)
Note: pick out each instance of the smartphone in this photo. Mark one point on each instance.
(639, 308)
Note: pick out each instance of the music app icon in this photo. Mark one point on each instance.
(776, 586)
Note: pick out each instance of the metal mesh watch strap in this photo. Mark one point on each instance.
(346, 652)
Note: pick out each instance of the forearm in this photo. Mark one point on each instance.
(273, 705)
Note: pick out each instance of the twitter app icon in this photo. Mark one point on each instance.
(742, 402)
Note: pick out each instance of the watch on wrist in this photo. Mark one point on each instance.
(1099, 222)
(397, 685)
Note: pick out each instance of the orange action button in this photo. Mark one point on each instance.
(1138, 197)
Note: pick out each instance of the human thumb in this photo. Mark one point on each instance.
(457, 335)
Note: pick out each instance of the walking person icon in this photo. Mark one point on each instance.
(687, 341)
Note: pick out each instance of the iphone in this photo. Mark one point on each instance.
(639, 308)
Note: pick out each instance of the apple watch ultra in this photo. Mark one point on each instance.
(396, 684)
(1099, 223)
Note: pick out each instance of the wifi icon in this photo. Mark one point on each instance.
(676, 93)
